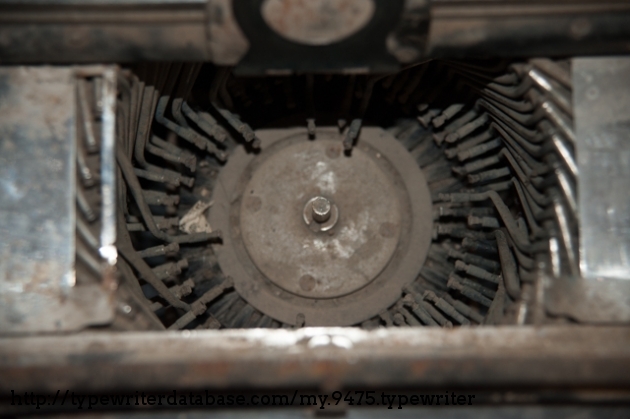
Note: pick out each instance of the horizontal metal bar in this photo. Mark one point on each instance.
(553, 357)
(205, 30)
(522, 8)
(100, 15)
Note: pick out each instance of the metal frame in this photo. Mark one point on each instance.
(506, 358)
(67, 31)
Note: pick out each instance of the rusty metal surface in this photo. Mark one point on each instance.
(341, 260)
(317, 22)
(569, 357)
(62, 31)
(197, 30)
(37, 199)
(388, 201)
(37, 205)
(522, 28)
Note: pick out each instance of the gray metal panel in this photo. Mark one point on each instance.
(75, 31)
(602, 121)
(37, 208)
(37, 203)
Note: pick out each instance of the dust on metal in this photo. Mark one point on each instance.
(317, 22)
(283, 263)
(346, 257)
(38, 289)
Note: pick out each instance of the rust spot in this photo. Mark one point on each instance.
(307, 282)
(333, 151)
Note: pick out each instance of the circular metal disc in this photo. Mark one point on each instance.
(341, 260)
(286, 270)
(317, 22)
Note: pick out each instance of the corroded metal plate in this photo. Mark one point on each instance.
(378, 245)
(38, 287)
(320, 264)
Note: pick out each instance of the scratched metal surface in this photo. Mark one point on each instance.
(602, 100)
(37, 204)
(37, 200)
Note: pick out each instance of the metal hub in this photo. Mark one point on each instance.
(346, 257)
(320, 208)
(320, 214)
(314, 232)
